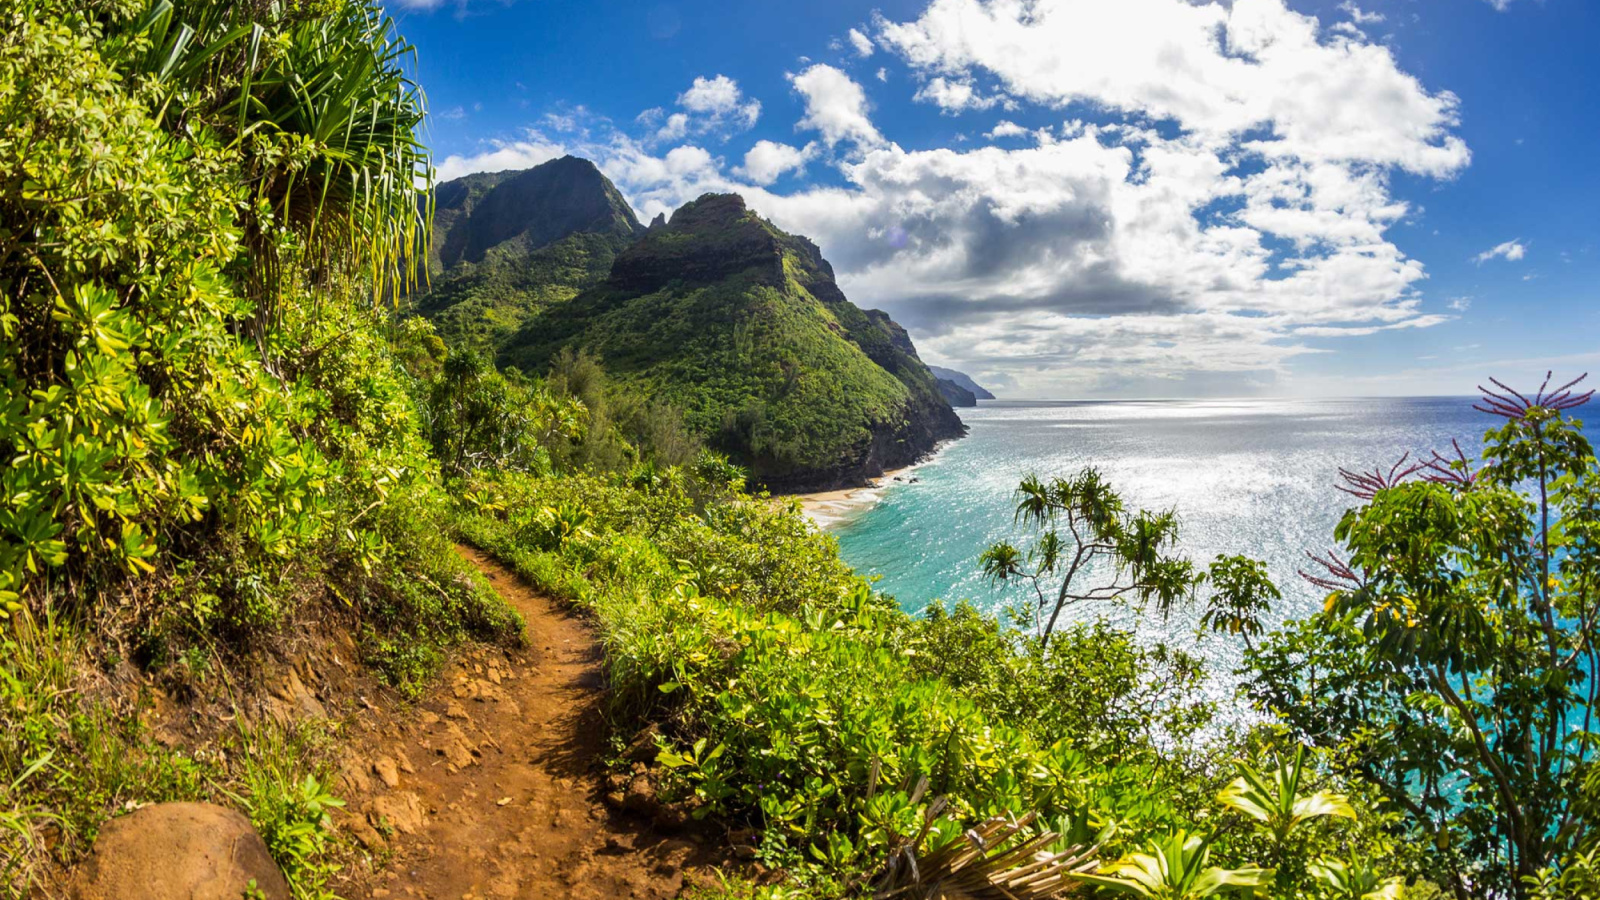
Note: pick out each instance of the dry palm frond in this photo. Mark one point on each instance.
(988, 862)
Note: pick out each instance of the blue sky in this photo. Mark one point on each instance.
(1072, 198)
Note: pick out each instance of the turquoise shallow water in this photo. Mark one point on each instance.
(1253, 476)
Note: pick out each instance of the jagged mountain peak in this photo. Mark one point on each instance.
(514, 213)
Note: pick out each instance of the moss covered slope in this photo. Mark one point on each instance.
(742, 327)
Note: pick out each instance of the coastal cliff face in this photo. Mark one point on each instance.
(743, 328)
(963, 381)
(956, 395)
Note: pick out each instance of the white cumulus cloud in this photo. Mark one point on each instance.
(1005, 128)
(711, 95)
(767, 161)
(835, 106)
(1255, 69)
(716, 106)
(677, 125)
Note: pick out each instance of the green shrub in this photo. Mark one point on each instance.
(66, 762)
(285, 778)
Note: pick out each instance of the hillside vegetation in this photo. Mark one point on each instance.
(220, 442)
(209, 439)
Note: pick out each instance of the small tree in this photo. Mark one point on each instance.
(1102, 552)
(481, 418)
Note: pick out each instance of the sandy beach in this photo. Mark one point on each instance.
(828, 508)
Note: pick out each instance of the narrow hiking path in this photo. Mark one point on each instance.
(491, 787)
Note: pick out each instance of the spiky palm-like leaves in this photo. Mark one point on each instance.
(1084, 530)
(996, 860)
(320, 98)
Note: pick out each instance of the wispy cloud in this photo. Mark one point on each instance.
(1362, 17)
(1511, 251)
(863, 45)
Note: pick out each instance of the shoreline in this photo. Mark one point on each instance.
(827, 509)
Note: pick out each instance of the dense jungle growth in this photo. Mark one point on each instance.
(222, 424)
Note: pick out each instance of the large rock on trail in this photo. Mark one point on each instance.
(195, 851)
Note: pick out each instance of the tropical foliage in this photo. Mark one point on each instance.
(1454, 664)
(845, 733)
(482, 418)
(207, 434)
(216, 429)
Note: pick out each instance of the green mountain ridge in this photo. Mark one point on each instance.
(743, 328)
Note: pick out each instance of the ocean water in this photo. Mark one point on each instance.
(1246, 476)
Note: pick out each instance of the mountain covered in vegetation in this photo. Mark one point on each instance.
(743, 328)
(507, 244)
(736, 325)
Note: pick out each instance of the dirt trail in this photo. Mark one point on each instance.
(491, 788)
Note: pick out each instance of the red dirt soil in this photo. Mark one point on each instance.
(492, 786)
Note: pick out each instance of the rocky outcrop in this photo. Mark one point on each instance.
(704, 241)
(196, 851)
